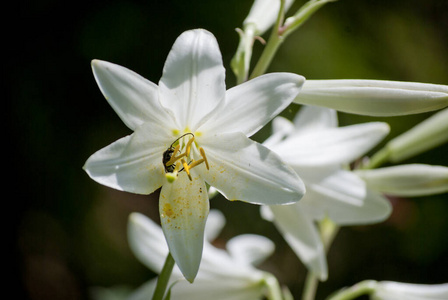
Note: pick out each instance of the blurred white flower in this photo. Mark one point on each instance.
(389, 290)
(223, 275)
(263, 14)
(411, 180)
(261, 17)
(319, 151)
(374, 97)
(189, 130)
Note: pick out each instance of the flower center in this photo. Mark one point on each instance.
(172, 161)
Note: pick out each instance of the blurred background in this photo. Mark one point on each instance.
(69, 233)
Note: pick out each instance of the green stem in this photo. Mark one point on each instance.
(268, 54)
(378, 159)
(303, 14)
(359, 289)
(328, 230)
(273, 288)
(274, 42)
(280, 32)
(164, 278)
(309, 291)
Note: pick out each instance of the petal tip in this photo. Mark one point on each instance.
(189, 273)
(385, 128)
(95, 63)
(300, 79)
(134, 217)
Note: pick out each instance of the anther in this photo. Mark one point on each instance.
(201, 150)
(188, 147)
(187, 168)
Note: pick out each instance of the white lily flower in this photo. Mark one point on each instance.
(317, 149)
(411, 180)
(263, 14)
(189, 130)
(374, 97)
(222, 275)
(389, 290)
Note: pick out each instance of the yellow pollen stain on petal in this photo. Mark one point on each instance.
(167, 210)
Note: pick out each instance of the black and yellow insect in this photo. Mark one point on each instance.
(168, 154)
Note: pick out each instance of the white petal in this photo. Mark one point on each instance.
(331, 146)
(281, 127)
(302, 236)
(218, 289)
(374, 97)
(407, 180)
(133, 163)
(344, 198)
(254, 103)
(215, 224)
(184, 208)
(250, 248)
(263, 14)
(217, 262)
(389, 290)
(337, 185)
(218, 266)
(242, 169)
(192, 84)
(281, 124)
(134, 98)
(428, 134)
(110, 293)
(315, 118)
(147, 242)
(145, 291)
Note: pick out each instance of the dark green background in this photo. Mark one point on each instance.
(68, 232)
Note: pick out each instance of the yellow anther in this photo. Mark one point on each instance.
(195, 163)
(170, 159)
(186, 168)
(204, 157)
(188, 148)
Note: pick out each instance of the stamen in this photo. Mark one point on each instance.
(186, 168)
(188, 148)
(204, 157)
(195, 163)
(170, 159)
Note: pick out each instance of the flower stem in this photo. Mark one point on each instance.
(275, 40)
(281, 30)
(268, 54)
(273, 288)
(359, 289)
(378, 159)
(328, 230)
(310, 288)
(164, 278)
